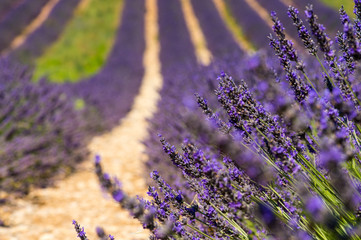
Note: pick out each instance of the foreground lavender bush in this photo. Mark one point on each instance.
(40, 131)
(305, 132)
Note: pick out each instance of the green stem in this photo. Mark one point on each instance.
(200, 232)
(232, 222)
(324, 69)
(310, 82)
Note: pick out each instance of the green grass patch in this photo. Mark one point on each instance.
(347, 4)
(84, 45)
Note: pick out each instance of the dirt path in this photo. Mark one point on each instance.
(47, 213)
(204, 56)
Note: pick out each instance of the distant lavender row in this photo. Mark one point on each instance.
(47, 33)
(18, 19)
(219, 40)
(252, 24)
(6, 6)
(41, 134)
(112, 90)
(176, 46)
(177, 54)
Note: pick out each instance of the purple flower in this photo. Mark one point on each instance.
(97, 159)
(118, 195)
(333, 155)
(315, 205)
(80, 231)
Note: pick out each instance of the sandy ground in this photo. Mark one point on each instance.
(204, 56)
(48, 213)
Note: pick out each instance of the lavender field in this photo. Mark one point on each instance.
(180, 119)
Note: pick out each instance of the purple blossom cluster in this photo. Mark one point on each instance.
(41, 132)
(273, 156)
(176, 46)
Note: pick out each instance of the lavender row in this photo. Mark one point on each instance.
(6, 6)
(176, 46)
(177, 55)
(42, 135)
(219, 40)
(16, 20)
(112, 90)
(47, 33)
(253, 26)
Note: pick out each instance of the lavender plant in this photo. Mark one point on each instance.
(285, 162)
(174, 38)
(6, 6)
(41, 132)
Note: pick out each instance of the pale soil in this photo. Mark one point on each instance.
(204, 56)
(48, 213)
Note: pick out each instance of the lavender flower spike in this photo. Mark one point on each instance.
(80, 231)
(357, 11)
(286, 45)
(318, 30)
(357, 8)
(302, 31)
